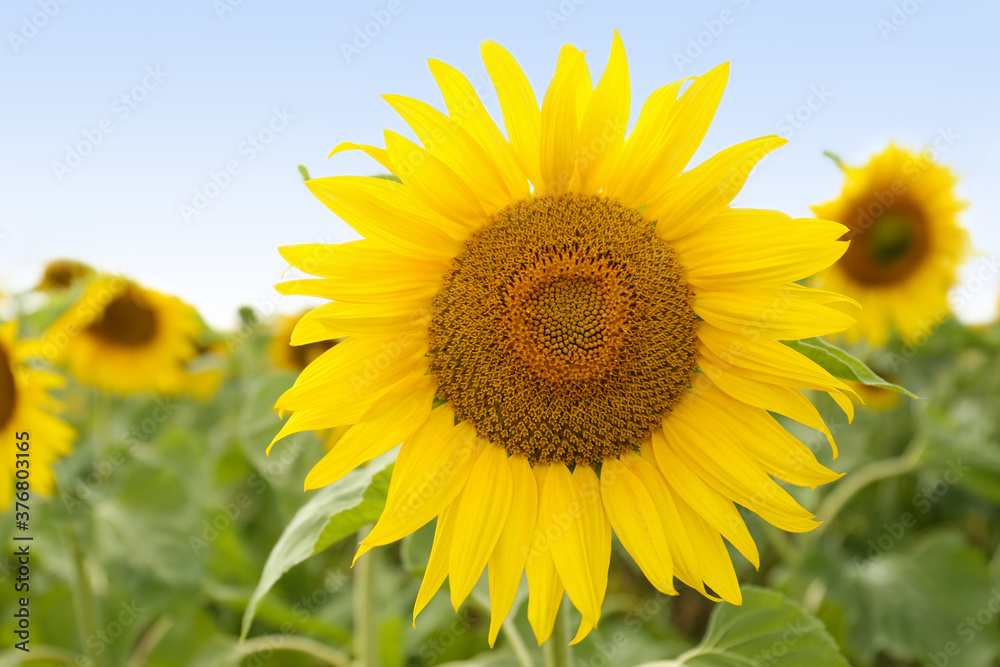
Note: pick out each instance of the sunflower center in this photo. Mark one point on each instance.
(8, 390)
(126, 321)
(564, 330)
(887, 248)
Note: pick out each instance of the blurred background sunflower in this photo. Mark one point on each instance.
(906, 244)
(28, 407)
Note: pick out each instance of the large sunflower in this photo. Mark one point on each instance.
(125, 338)
(906, 244)
(569, 336)
(26, 407)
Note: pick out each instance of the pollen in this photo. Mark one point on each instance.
(564, 330)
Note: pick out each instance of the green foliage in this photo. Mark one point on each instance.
(185, 528)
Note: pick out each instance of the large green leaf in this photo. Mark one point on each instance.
(842, 365)
(332, 514)
(924, 600)
(767, 629)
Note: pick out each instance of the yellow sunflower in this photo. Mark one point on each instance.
(292, 356)
(26, 416)
(61, 274)
(125, 338)
(570, 335)
(906, 244)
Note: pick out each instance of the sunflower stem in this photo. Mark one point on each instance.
(557, 650)
(83, 597)
(872, 472)
(366, 644)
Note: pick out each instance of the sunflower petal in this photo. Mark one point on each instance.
(481, 515)
(521, 115)
(437, 563)
(636, 520)
(506, 563)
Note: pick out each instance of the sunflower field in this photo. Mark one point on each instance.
(567, 399)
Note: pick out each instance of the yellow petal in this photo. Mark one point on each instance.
(714, 563)
(693, 433)
(559, 126)
(707, 189)
(456, 148)
(687, 122)
(506, 563)
(544, 586)
(718, 511)
(599, 530)
(777, 451)
(481, 515)
(642, 145)
(602, 132)
(466, 109)
(434, 183)
(519, 106)
(430, 471)
(636, 520)
(687, 565)
(350, 376)
(384, 211)
(390, 421)
(380, 155)
(789, 312)
(437, 563)
(783, 400)
(562, 520)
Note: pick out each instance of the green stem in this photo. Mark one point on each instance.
(83, 597)
(837, 499)
(267, 643)
(366, 644)
(557, 650)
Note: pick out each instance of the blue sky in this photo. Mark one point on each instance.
(163, 97)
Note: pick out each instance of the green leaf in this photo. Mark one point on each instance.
(921, 601)
(768, 629)
(333, 513)
(842, 365)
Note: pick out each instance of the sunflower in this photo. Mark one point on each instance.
(905, 243)
(570, 335)
(26, 407)
(61, 274)
(291, 356)
(125, 338)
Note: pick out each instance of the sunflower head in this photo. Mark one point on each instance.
(570, 333)
(294, 356)
(26, 406)
(125, 338)
(905, 243)
(61, 274)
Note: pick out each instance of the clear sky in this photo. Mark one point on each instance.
(159, 96)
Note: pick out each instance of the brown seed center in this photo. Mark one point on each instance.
(564, 329)
(8, 388)
(127, 321)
